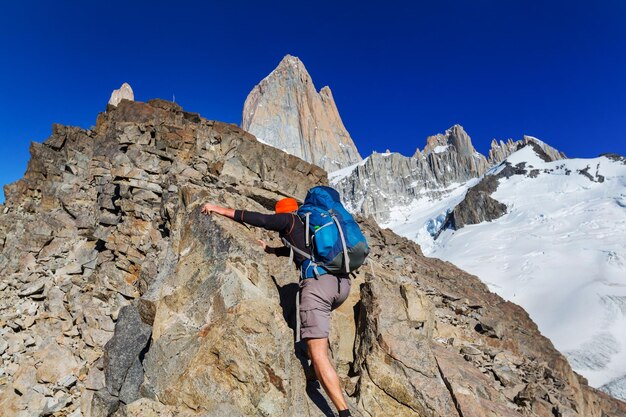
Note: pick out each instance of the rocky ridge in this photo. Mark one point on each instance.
(501, 150)
(447, 162)
(120, 298)
(391, 179)
(286, 111)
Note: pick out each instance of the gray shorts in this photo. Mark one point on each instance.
(318, 297)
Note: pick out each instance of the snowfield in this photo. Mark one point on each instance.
(559, 252)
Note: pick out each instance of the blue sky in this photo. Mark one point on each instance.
(399, 71)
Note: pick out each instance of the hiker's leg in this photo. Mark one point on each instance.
(318, 352)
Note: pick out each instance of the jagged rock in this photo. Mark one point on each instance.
(95, 380)
(57, 362)
(399, 374)
(472, 393)
(508, 358)
(56, 403)
(102, 404)
(505, 375)
(500, 150)
(95, 337)
(67, 381)
(24, 379)
(470, 350)
(615, 157)
(285, 111)
(32, 289)
(477, 206)
(55, 304)
(125, 92)
(130, 390)
(122, 367)
(145, 407)
(382, 181)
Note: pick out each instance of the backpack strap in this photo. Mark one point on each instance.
(294, 249)
(306, 229)
(298, 315)
(346, 257)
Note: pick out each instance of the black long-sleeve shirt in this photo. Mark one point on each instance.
(288, 226)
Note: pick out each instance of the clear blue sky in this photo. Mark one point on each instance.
(399, 71)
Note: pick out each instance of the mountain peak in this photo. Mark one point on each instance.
(455, 136)
(501, 150)
(285, 111)
(125, 92)
(291, 61)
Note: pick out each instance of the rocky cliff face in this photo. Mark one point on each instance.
(120, 298)
(286, 111)
(501, 150)
(477, 205)
(385, 180)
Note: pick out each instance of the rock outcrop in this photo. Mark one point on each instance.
(382, 181)
(125, 92)
(286, 111)
(501, 150)
(120, 298)
(477, 206)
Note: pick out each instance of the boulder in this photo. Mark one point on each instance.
(57, 362)
(122, 363)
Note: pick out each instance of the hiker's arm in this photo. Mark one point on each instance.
(280, 251)
(224, 211)
(277, 222)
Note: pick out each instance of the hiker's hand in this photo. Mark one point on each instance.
(210, 208)
(266, 248)
(204, 330)
(224, 211)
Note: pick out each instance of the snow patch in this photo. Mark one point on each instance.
(338, 175)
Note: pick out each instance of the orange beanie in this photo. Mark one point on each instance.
(286, 205)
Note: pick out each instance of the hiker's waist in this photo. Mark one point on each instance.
(329, 275)
(320, 272)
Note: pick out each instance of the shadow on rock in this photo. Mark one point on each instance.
(287, 294)
(315, 393)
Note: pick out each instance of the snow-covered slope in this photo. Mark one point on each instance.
(559, 252)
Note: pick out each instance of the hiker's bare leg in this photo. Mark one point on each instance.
(318, 352)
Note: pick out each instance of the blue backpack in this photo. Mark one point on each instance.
(339, 246)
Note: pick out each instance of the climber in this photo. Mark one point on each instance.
(318, 296)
